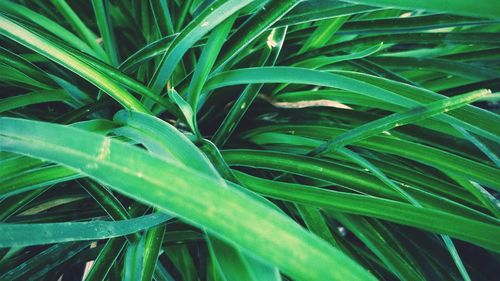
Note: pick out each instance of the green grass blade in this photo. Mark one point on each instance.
(481, 194)
(187, 112)
(146, 53)
(152, 246)
(349, 178)
(480, 145)
(314, 63)
(123, 79)
(207, 60)
(399, 119)
(14, 102)
(133, 261)
(13, 204)
(21, 235)
(106, 199)
(409, 24)
(101, 10)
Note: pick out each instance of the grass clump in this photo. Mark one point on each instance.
(249, 140)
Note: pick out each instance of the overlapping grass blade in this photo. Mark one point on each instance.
(98, 156)
(377, 88)
(216, 13)
(48, 24)
(190, 156)
(432, 220)
(20, 34)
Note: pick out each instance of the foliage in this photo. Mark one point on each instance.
(249, 140)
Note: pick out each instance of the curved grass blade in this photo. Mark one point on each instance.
(302, 76)
(409, 24)
(381, 176)
(314, 63)
(455, 38)
(21, 235)
(146, 53)
(477, 120)
(316, 223)
(481, 194)
(13, 204)
(449, 67)
(480, 145)
(165, 140)
(356, 158)
(17, 78)
(106, 199)
(235, 265)
(14, 102)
